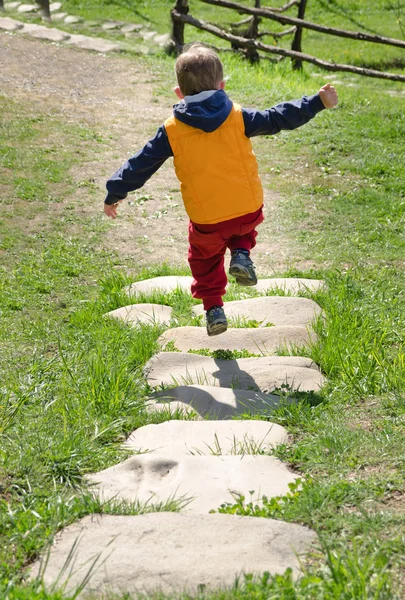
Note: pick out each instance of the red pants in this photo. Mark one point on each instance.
(207, 247)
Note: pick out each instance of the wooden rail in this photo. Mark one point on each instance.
(255, 44)
(270, 14)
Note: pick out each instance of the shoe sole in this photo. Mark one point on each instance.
(217, 328)
(242, 276)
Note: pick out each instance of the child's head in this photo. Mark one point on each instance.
(198, 69)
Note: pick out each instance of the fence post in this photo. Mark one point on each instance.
(296, 43)
(177, 41)
(248, 28)
(251, 53)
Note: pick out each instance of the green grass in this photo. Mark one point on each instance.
(72, 382)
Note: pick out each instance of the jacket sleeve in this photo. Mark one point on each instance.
(136, 171)
(287, 115)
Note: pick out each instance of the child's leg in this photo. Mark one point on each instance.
(206, 258)
(244, 232)
(241, 239)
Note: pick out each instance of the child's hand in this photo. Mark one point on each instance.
(328, 96)
(111, 210)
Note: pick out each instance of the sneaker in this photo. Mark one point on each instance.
(216, 320)
(242, 268)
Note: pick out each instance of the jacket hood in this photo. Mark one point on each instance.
(206, 110)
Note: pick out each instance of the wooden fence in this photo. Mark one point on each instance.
(250, 38)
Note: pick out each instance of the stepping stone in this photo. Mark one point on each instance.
(172, 553)
(90, 43)
(262, 340)
(12, 5)
(165, 284)
(8, 24)
(199, 483)
(265, 374)
(130, 27)
(142, 313)
(291, 285)
(207, 437)
(55, 6)
(148, 35)
(271, 310)
(108, 26)
(59, 16)
(72, 20)
(27, 8)
(45, 33)
(214, 402)
(162, 39)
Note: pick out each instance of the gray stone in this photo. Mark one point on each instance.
(162, 39)
(207, 437)
(59, 16)
(205, 401)
(8, 24)
(165, 284)
(130, 27)
(265, 374)
(142, 313)
(261, 340)
(90, 43)
(148, 35)
(110, 25)
(55, 6)
(72, 20)
(27, 8)
(172, 553)
(291, 285)
(45, 33)
(270, 310)
(199, 483)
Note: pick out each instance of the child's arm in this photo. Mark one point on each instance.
(136, 171)
(288, 115)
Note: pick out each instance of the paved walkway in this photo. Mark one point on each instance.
(200, 463)
(150, 39)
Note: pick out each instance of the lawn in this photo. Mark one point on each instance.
(72, 383)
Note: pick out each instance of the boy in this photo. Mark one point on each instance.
(208, 136)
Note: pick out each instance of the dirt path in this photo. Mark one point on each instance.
(114, 96)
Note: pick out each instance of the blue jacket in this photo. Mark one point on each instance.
(207, 111)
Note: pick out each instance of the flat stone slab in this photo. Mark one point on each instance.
(200, 483)
(270, 310)
(27, 8)
(165, 284)
(7, 24)
(142, 313)
(110, 25)
(162, 39)
(259, 374)
(12, 5)
(90, 43)
(59, 16)
(173, 553)
(130, 27)
(55, 6)
(290, 285)
(45, 33)
(72, 20)
(207, 437)
(261, 340)
(213, 402)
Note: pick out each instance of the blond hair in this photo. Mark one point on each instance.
(198, 69)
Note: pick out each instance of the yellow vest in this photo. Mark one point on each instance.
(218, 174)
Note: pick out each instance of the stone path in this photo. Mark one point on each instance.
(151, 40)
(200, 464)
